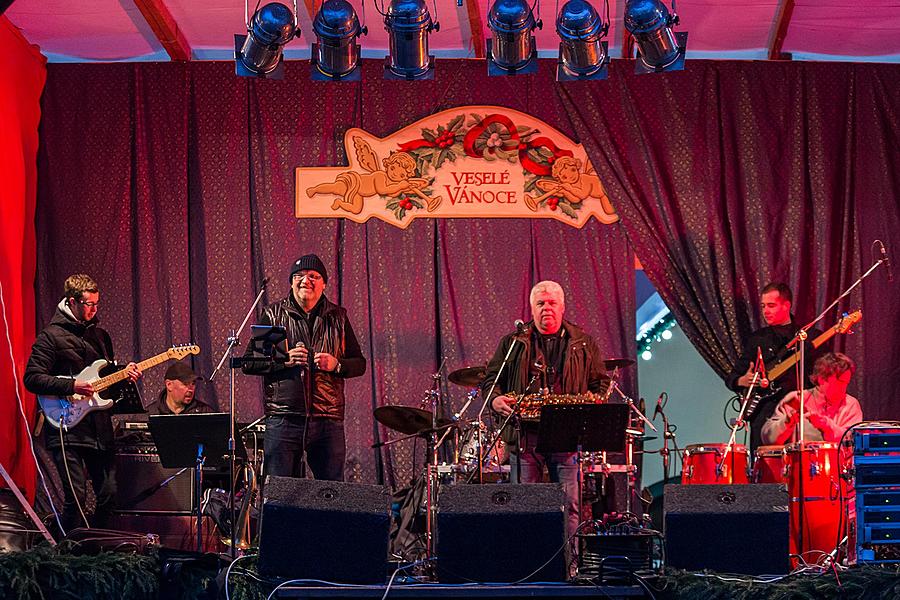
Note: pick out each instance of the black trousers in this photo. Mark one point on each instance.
(86, 464)
(325, 447)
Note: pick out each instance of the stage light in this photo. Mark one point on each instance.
(646, 355)
(512, 50)
(582, 52)
(335, 55)
(259, 53)
(659, 48)
(667, 334)
(408, 24)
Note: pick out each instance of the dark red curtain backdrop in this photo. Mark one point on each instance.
(732, 174)
(173, 185)
(22, 75)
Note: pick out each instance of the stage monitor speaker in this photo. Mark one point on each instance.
(325, 530)
(145, 486)
(501, 533)
(727, 528)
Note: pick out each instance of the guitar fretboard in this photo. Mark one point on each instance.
(114, 378)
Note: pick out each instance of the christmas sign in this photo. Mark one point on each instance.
(473, 161)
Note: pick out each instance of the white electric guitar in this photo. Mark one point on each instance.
(67, 411)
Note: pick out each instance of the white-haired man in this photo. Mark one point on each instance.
(566, 360)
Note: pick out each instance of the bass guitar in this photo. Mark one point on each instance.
(842, 326)
(68, 411)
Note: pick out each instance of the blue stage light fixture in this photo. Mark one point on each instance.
(408, 24)
(582, 52)
(260, 52)
(512, 50)
(659, 48)
(335, 55)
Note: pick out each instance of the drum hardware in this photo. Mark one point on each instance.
(614, 364)
(631, 434)
(759, 378)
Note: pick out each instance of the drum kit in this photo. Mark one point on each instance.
(477, 450)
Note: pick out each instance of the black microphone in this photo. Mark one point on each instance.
(265, 281)
(520, 326)
(885, 260)
(658, 410)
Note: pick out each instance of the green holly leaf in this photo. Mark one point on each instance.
(393, 205)
(429, 135)
(456, 122)
(441, 158)
(531, 184)
(476, 118)
(416, 203)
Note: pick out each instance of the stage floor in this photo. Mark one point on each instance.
(435, 590)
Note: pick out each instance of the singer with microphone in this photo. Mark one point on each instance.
(771, 343)
(304, 397)
(554, 354)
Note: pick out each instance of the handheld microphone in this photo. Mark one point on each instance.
(885, 260)
(265, 281)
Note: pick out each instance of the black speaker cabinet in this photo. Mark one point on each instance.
(143, 486)
(727, 528)
(501, 533)
(325, 530)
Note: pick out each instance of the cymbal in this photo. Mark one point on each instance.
(468, 376)
(617, 363)
(408, 420)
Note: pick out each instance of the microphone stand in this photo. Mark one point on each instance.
(739, 422)
(514, 414)
(488, 398)
(802, 335)
(229, 351)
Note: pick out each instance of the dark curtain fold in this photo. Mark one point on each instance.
(730, 175)
(220, 166)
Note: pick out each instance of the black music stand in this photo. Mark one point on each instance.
(582, 428)
(194, 440)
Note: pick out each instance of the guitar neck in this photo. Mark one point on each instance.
(114, 378)
(780, 369)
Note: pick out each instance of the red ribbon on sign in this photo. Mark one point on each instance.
(514, 142)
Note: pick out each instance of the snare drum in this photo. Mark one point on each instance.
(701, 464)
(768, 466)
(812, 472)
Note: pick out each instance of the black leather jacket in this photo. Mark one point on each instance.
(65, 347)
(330, 332)
(583, 368)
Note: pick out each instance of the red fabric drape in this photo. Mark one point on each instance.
(22, 76)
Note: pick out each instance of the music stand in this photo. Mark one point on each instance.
(582, 428)
(194, 440)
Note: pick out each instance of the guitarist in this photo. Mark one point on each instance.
(72, 341)
(780, 329)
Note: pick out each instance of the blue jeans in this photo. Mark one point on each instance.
(325, 447)
(527, 466)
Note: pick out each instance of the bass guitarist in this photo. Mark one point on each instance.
(771, 341)
(72, 341)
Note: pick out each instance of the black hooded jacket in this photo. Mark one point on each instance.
(60, 351)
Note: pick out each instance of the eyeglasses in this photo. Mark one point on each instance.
(309, 276)
(88, 304)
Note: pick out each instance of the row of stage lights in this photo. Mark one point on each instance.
(583, 54)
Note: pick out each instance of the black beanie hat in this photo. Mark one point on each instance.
(310, 262)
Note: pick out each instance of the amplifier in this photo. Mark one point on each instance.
(145, 486)
(615, 556)
(873, 531)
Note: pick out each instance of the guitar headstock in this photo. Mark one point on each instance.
(847, 321)
(180, 351)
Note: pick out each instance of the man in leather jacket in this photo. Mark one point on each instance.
(565, 360)
(82, 452)
(321, 344)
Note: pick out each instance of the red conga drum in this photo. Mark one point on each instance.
(768, 466)
(812, 471)
(702, 464)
